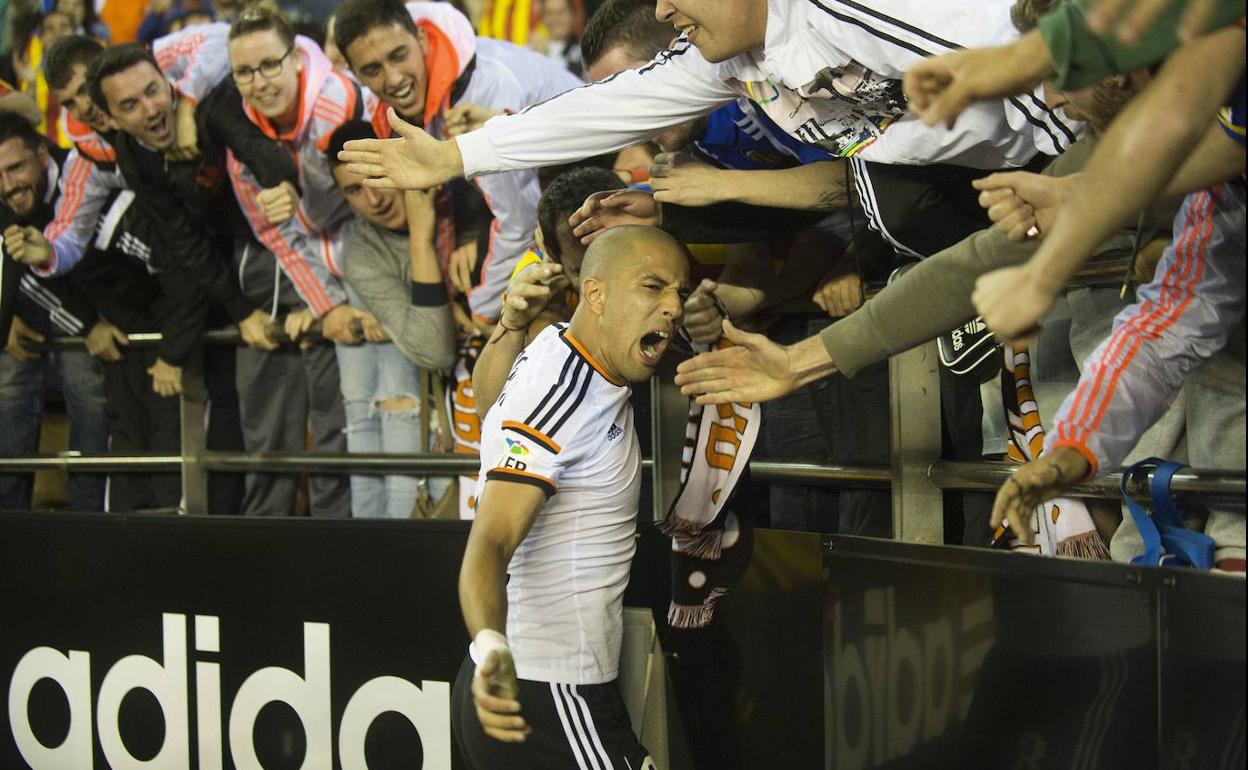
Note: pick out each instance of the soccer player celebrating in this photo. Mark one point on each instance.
(548, 557)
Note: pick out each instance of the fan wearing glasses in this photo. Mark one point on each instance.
(292, 93)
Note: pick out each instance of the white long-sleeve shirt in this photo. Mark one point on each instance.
(829, 74)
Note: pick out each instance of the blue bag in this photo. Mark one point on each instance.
(1167, 543)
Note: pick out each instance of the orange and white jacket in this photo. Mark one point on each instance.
(309, 245)
(464, 68)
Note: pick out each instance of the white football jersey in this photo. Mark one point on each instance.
(563, 425)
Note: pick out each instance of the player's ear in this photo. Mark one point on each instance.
(593, 294)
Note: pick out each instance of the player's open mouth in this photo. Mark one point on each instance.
(653, 345)
(689, 30)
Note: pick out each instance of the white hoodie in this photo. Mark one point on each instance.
(502, 76)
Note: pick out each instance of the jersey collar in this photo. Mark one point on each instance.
(580, 350)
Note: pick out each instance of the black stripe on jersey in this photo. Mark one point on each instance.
(582, 367)
(580, 397)
(1038, 122)
(550, 393)
(1057, 121)
(664, 56)
(502, 474)
(890, 20)
(872, 30)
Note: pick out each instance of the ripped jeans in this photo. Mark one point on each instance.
(379, 392)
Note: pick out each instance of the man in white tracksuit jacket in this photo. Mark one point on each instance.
(826, 71)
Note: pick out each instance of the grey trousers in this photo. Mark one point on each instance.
(281, 394)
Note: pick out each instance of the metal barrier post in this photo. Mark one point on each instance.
(192, 413)
(914, 427)
(669, 411)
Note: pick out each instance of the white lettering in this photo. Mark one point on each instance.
(167, 683)
(427, 707)
(73, 673)
(208, 695)
(308, 696)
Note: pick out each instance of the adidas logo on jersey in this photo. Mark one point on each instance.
(614, 432)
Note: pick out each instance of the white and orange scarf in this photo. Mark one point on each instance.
(461, 403)
(711, 547)
(1061, 526)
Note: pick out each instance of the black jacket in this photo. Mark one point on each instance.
(190, 205)
(130, 292)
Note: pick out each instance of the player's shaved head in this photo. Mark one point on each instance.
(633, 281)
(622, 246)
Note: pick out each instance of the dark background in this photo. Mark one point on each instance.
(833, 652)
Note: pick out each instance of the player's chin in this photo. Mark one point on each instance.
(638, 372)
(642, 366)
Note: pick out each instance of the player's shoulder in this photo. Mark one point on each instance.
(544, 360)
(555, 355)
(555, 387)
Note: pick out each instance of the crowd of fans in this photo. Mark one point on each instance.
(306, 184)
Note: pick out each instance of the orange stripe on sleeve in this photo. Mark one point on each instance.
(1191, 275)
(292, 262)
(1088, 396)
(522, 477)
(541, 438)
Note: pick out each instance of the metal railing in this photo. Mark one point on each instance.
(1224, 487)
(916, 475)
(1220, 486)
